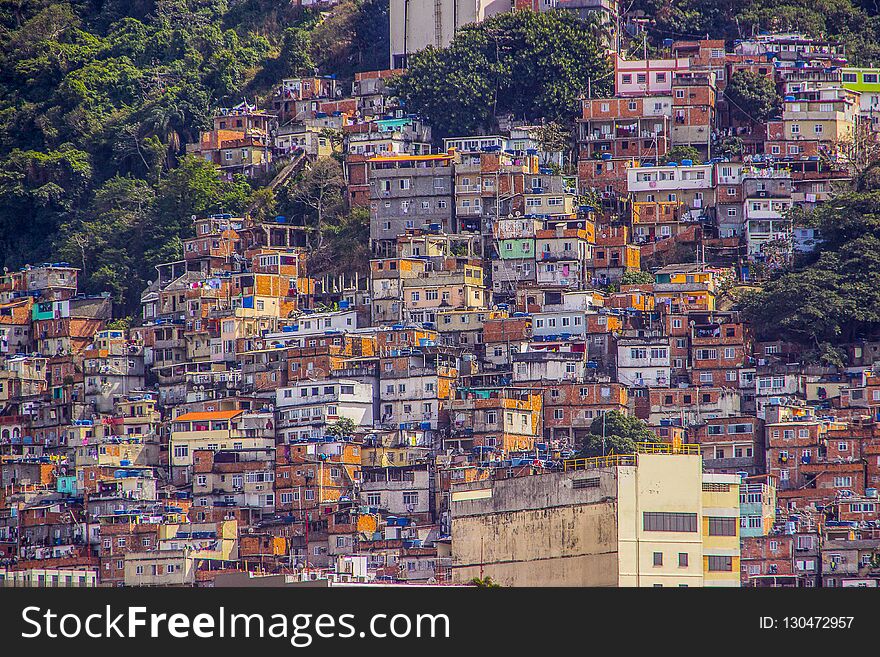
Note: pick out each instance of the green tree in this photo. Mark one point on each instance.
(636, 278)
(729, 147)
(615, 433)
(531, 65)
(39, 191)
(130, 84)
(193, 188)
(484, 583)
(318, 190)
(836, 297)
(107, 243)
(343, 427)
(354, 37)
(753, 95)
(348, 244)
(679, 153)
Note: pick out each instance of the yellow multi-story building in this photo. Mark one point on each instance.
(720, 528)
(686, 287)
(638, 520)
(213, 430)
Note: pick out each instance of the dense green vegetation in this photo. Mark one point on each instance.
(530, 65)
(835, 297)
(98, 99)
(615, 433)
(753, 96)
(855, 23)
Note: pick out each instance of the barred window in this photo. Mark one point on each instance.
(722, 526)
(716, 488)
(591, 482)
(669, 522)
(720, 564)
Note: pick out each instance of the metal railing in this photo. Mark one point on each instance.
(613, 460)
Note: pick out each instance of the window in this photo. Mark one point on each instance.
(722, 527)
(719, 564)
(658, 558)
(669, 522)
(682, 559)
(411, 498)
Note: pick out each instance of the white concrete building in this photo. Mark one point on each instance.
(417, 24)
(306, 408)
(644, 360)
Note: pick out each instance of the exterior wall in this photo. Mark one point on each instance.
(507, 531)
(504, 529)
(721, 502)
(417, 25)
(659, 484)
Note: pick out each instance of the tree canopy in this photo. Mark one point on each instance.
(531, 65)
(98, 101)
(854, 23)
(836, 297)
(753, 95)
(615, 433)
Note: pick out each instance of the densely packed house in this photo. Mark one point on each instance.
(422, 422)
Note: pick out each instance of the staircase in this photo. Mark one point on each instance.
(292, 168)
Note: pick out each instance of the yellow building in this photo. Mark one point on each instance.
(625, 520)
(720, 527)
(209, 430)
(686, 287)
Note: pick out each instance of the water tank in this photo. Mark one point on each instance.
(687, 163)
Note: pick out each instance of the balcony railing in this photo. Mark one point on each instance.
(630, 459)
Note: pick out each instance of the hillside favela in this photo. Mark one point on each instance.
(440, 293)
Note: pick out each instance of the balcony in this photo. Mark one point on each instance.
(562, 254)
